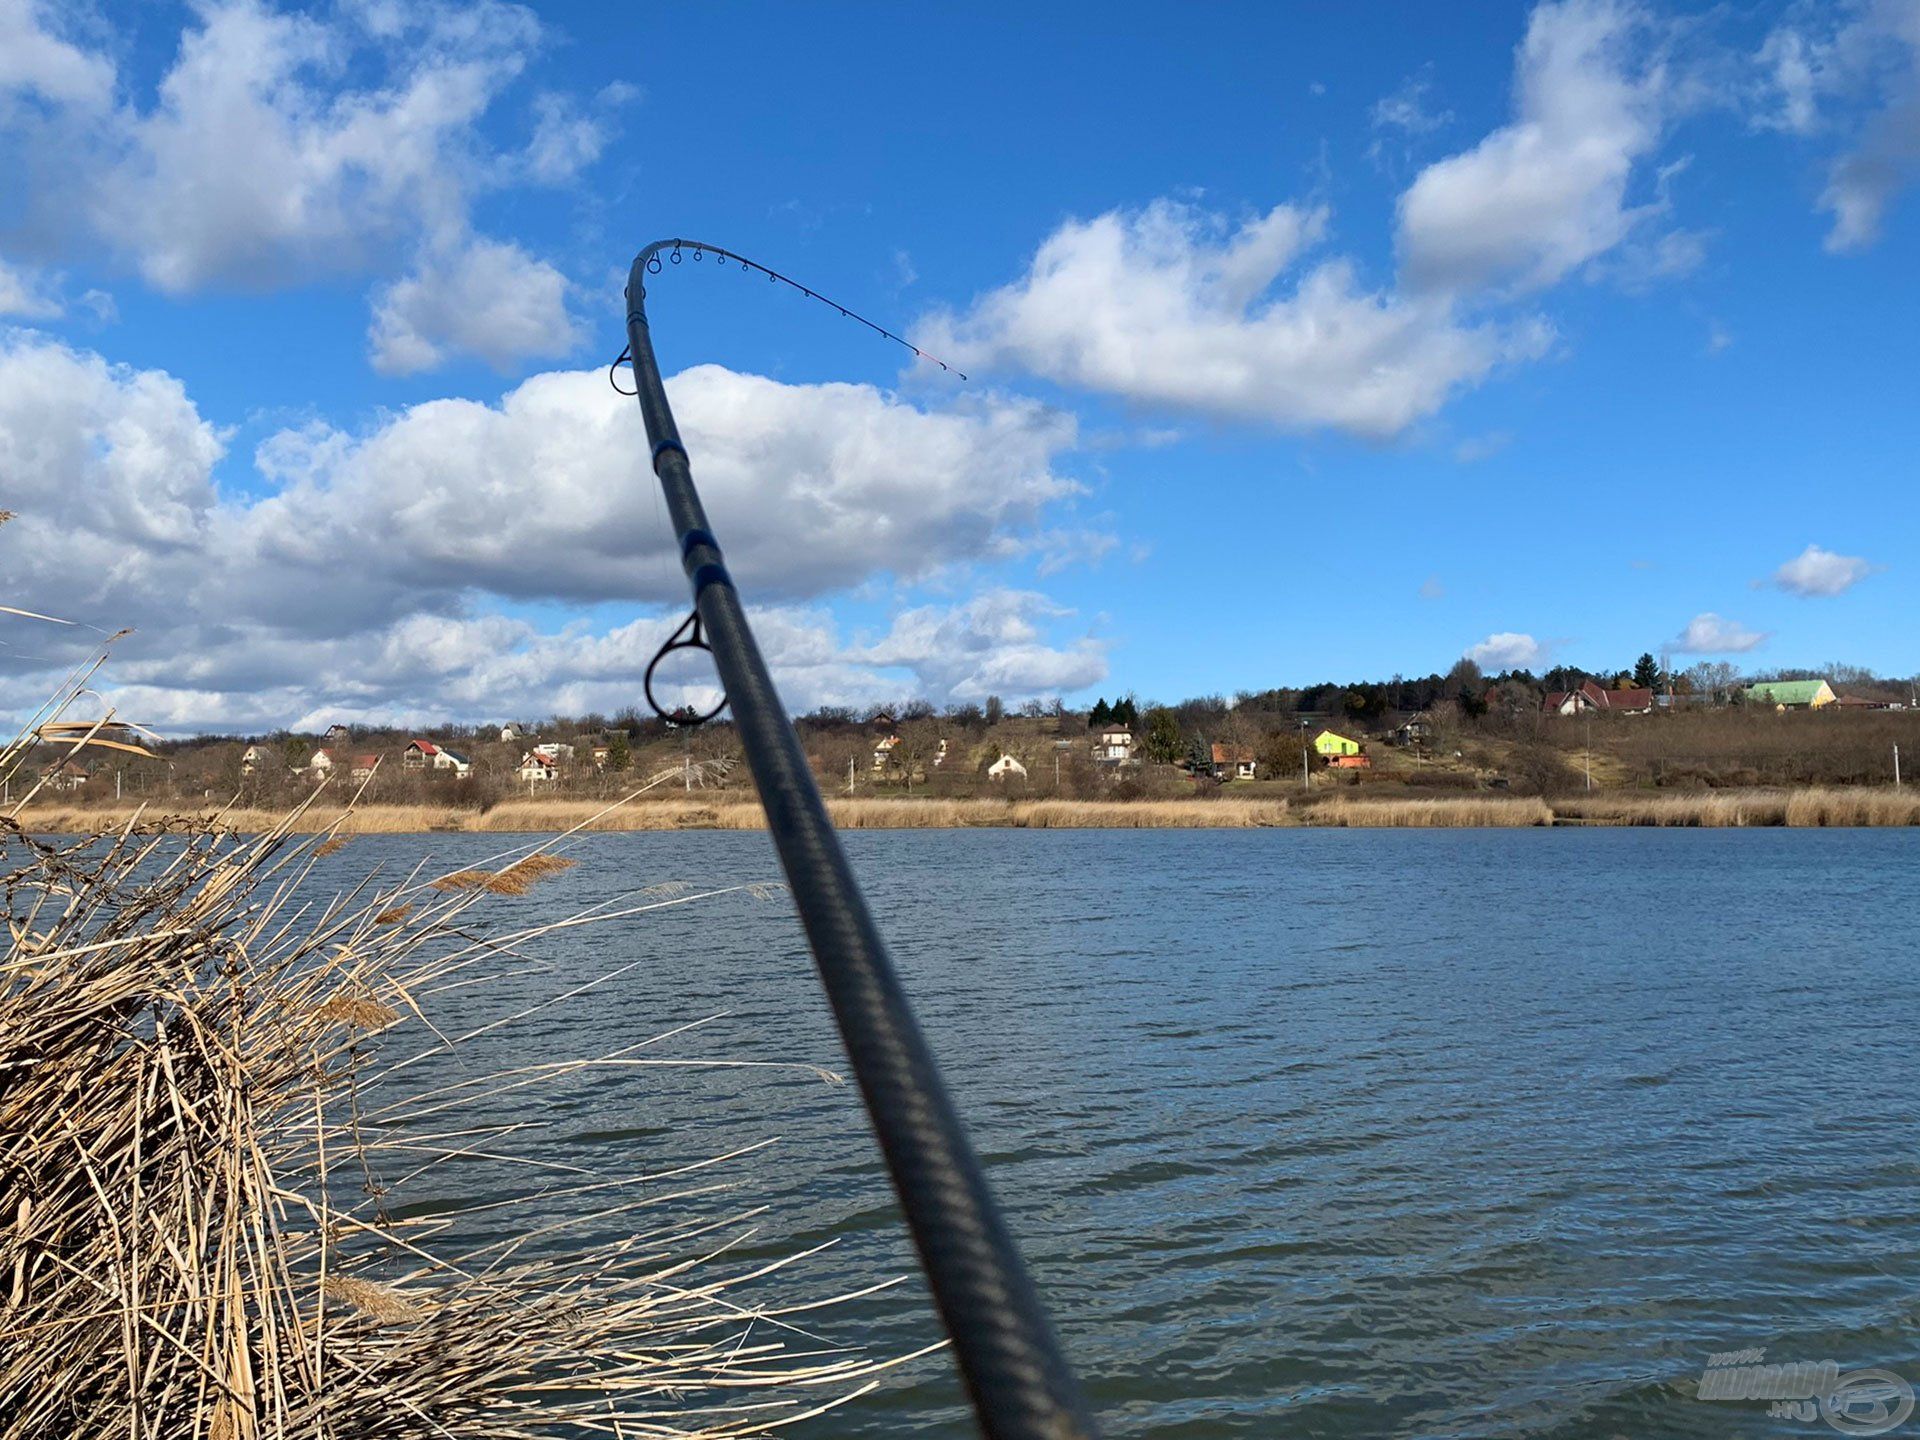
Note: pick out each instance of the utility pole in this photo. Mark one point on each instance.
(849, 774)
(1588, 756)
(1896, 767)
(1306, 776)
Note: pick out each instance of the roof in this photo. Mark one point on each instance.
(425, 747)
(1602, 698)
(68, 767)
(365, 762)
(1231, 754)
(1787, 692)
(457, 759)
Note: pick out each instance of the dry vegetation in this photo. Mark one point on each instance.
(198, 1119)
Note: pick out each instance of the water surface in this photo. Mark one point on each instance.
(1331, 1133)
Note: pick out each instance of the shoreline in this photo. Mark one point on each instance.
(1805, 808)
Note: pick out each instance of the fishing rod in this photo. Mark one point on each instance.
(1016, 1374)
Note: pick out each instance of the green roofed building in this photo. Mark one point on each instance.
(1791, 694)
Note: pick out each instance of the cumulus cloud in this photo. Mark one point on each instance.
(1711, 634)
(1507, 650)
(1171, 307)
(1546, 193)
(486, 299)
(359, 569)
(1816, 572)
(260, 162)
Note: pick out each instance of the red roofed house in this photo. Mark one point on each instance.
(1232, 762)
(1591, 696)
(363, 765)
(419, 754)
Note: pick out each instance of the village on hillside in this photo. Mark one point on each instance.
(1462, 731)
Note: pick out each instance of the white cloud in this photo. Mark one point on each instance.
(566, 138)
(265, 160)
(1507, 650)
(27, 294)
(991, 645)
(1852, 70)
(362, 577)
(1548, 192)
(1407, 109)
(484, 298)
(1711, 634)
(1815, 572)
(1169, 307)
(38, 61)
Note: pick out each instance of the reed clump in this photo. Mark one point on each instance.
(1505, 812)
(194, 1241)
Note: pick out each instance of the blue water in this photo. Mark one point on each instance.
(1316, 1133)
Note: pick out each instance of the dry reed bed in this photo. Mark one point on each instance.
(1862, 806)
(1810, 808)
(1502, 813)
(194, 1231)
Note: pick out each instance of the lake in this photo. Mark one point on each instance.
(1305, 1132)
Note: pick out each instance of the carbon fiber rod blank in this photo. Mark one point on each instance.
(1016, 1374)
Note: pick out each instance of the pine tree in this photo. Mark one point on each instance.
(1101, 714)
(1646, 673)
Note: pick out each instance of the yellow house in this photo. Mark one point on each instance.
(1330, 744)
(1791, 694)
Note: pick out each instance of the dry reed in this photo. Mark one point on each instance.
(192, 1239)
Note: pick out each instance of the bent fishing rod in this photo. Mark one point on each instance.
(1015, 1371)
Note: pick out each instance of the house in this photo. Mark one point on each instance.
(1114, 747)
(1232, 762)
(534, 766)
(319, 765)
(1860, 702)
(1330, 746)
(422, 754)
(1791, 694)
(883, 752)
(66, 775)
(1003, 767)
(363, 766)
(250, 759)
(600, 754)
(1415, 730)
(940, 754)
(1349, 762)
(510, 732)
(1592, 696)
(557, 751)
(336, 735)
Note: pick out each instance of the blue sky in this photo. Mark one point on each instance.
(1302, 346)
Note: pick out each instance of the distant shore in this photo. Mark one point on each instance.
(1859, 806)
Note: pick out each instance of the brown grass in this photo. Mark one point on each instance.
(194, 1240)
(1478, 813)
(1857, 806)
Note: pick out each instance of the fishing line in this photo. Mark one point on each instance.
(700, 249)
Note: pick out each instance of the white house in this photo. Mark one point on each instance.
(320, 765)
(250, 759)
(510, 732)
(883, 752)
(536, 766)
(556, 751)
(420, 754)
(1003, 767)
(336, 735)
(940, 753)
(1114, 747)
